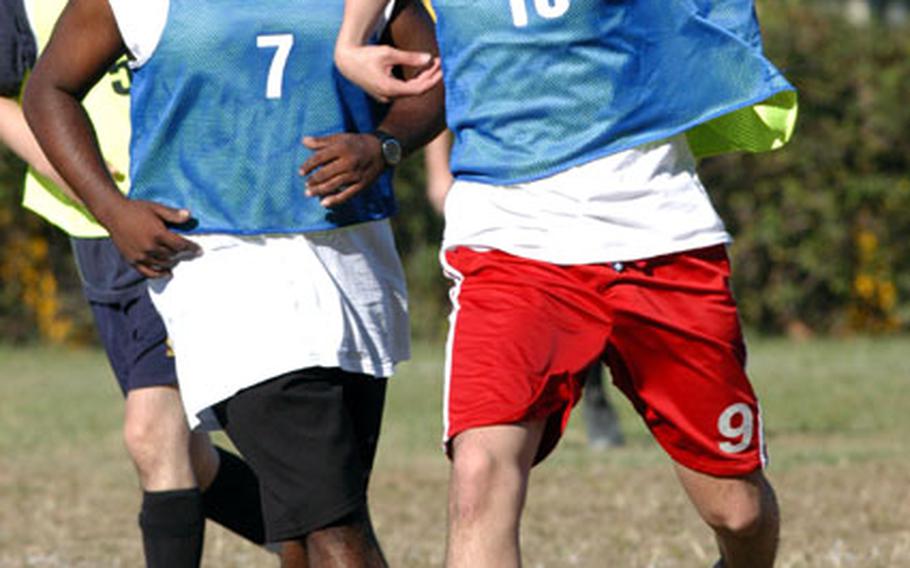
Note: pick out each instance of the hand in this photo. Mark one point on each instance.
(139, 229)
(346, 164)
(370, 67)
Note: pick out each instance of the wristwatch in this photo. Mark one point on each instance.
(391, 147)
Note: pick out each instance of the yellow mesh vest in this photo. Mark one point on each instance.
(765, 126)
(108, 106)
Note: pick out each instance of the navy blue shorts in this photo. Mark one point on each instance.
(135, 340)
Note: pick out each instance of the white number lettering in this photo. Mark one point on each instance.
(551, 9)
(740, 435)
(282, 44)
(548, 9)
(519, 13)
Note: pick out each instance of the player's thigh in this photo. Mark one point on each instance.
(483, 452)
(157, 438)
(153, 405)
(677, 352)
(298, 434)
(154, 416)
(522, 335)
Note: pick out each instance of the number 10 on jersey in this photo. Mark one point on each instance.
(549, 9)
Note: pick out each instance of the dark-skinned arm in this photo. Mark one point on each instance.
(352, 162)
(85, 43)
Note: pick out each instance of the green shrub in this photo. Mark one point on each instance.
(39, 292)
(822, 226)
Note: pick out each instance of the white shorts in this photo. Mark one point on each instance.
(251, 308)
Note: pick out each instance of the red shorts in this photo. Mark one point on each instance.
(523, 333)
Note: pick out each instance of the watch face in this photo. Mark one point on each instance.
(391, 151)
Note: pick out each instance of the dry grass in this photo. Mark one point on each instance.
(836, 412)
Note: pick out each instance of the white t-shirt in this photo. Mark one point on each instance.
(636, 204)
(251, 308)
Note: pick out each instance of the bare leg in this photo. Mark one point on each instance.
(489, 480)
(350, 545)
(743, 513)
(158, 439)
(343, 547)
(203, 459)
(293, 554)
(169, 458)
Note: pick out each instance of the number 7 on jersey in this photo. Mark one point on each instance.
(282, 44)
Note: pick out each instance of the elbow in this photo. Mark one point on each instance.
(40, 101)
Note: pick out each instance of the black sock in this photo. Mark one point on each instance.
(232, 500)
(173, 527)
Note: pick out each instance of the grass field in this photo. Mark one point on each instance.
(837, 416)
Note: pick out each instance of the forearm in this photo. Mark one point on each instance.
(139, 229)
(17, 136)
(438, 172)
(69, 144)
(415, 120)
(437, 154)
(360, 17)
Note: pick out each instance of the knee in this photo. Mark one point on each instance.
(735, 522)
(140, 437)
(150, 441)
(479, 480)
(743, 512)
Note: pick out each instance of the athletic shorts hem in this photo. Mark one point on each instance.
(713, 468)
(474, 424)
(135, 342)
(296, 531)
(555, 398)
(151, 381)
(527, 415)
(548, 442)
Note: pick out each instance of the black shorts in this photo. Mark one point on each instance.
(311, 437)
